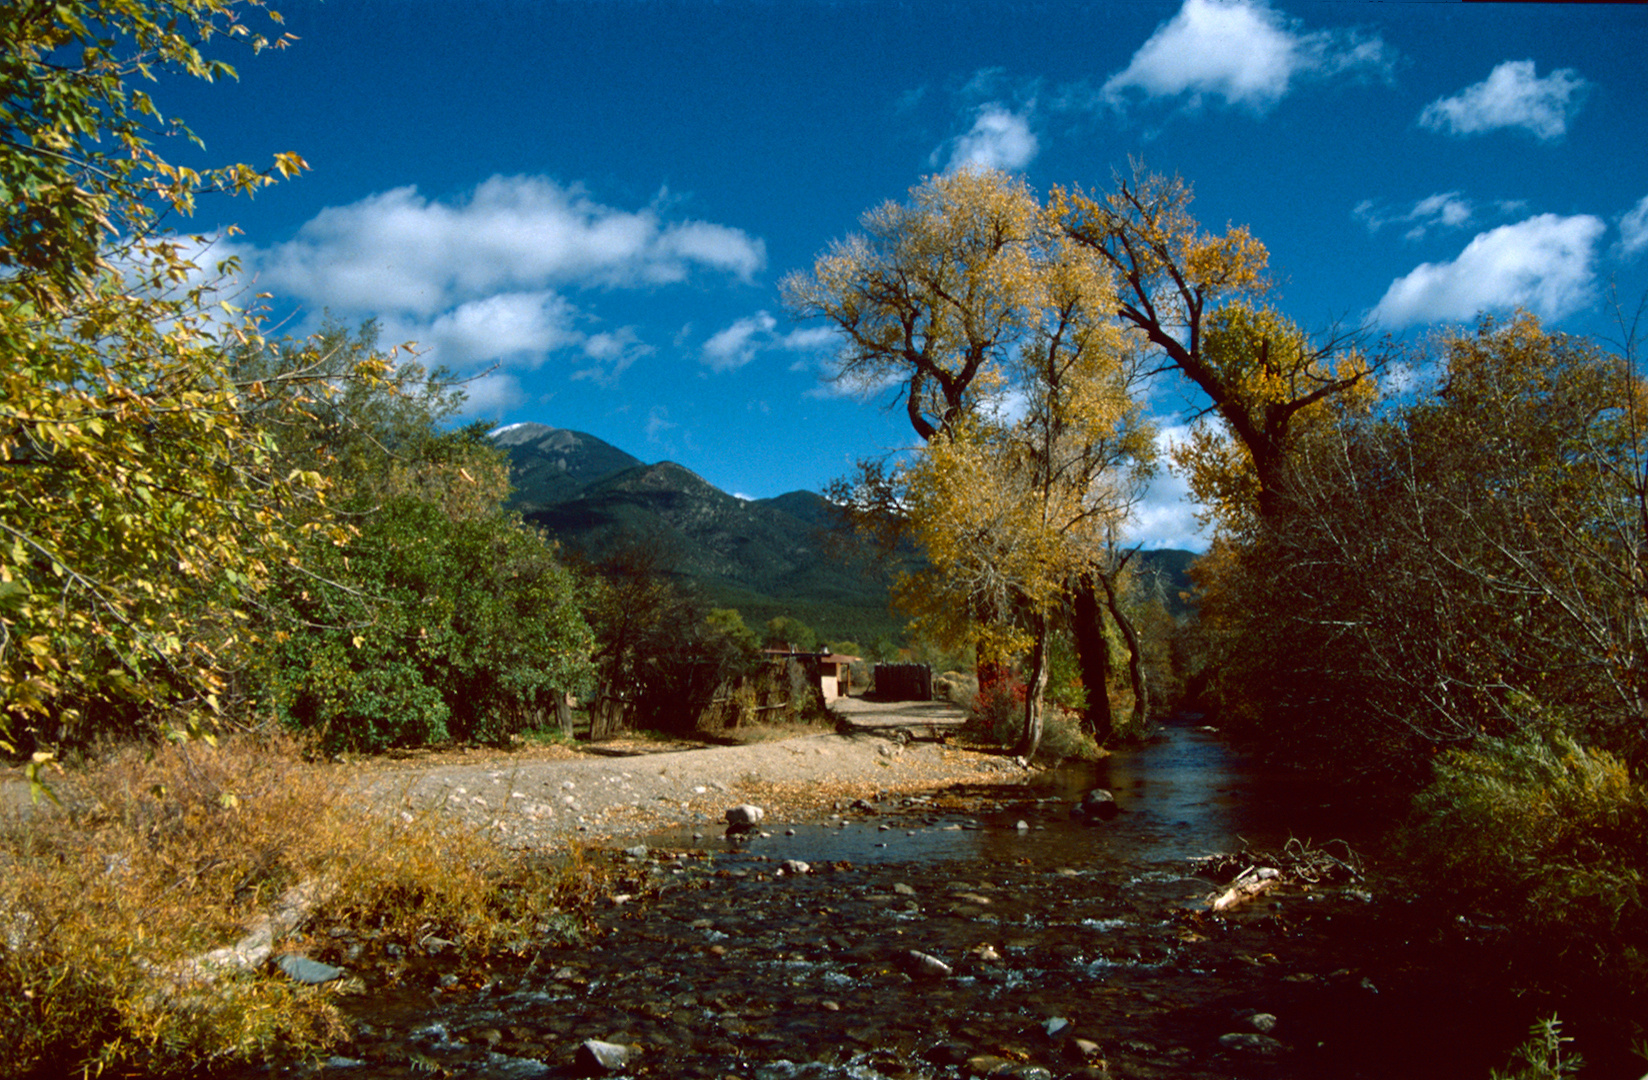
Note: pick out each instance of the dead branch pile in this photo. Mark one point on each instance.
(1252, 872)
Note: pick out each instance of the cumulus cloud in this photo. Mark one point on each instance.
(399, 251)
(503, 326)
(1544, 264)
(1447, 210)
(482, 279)
(1512, 96)
(999, 139)
(1243, 51)
(1633, 229)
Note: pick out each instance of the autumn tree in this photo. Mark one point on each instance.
(1197, 298)
(1503, 567)
(130, 480)
(999, 334)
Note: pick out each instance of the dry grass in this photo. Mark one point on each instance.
(161, 854)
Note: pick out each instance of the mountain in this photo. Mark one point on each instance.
(766, 558)
(550, 465)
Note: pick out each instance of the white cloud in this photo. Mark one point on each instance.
(1543, 264)
(999, 139)
(732, 348)
(610, 353)
(1243, 51)
(1511, 96)
(1166, 517)
(492, 395)
(658, 424)
(399, 251)
(1633, 229)
(502, 326)
(481, 279)
(1448, 210)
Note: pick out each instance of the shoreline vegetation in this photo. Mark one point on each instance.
(118, 904)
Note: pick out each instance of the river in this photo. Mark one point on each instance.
(1071, 950)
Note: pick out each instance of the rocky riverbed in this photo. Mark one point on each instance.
(976, 930)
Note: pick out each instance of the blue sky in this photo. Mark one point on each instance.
(599, 198)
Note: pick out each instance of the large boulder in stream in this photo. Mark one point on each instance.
(1097, 805)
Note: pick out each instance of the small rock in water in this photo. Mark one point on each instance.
(1262, 1022)
(1096, 805)
(595, 1057)
(902, 889)
(1250, 1042)
(1023, 826)
(304, 970)
(746, 816)
(794, 866)
(639, 851)
(928, 966)
(1056, 1027)
(948, 1054)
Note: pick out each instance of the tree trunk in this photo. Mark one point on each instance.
(1092, 656)
(563, 713)
(1034, 688)
(606, 717)
(1135, 663)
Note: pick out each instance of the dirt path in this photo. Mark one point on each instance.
(598, 793)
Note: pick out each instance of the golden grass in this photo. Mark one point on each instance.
(161, 854)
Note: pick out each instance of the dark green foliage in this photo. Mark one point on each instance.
(459, 629)
(437, 615)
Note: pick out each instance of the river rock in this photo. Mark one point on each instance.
(795, 866)
(595, 1057)
(1096, 805)
(1250, 1042)
(927, 966)
(747, 816)
(1262, 1022)
(304, 970)
(948, 1054)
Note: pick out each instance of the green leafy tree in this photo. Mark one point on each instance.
(787, 632)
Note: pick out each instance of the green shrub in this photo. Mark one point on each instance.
(1552, 838)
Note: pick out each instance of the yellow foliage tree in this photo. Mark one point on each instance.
(1197, 298)
(999, 331)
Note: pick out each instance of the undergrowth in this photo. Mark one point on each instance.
(997, 718)
(160, 854)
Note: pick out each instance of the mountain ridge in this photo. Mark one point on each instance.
(765, 557)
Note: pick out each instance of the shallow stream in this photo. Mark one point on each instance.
(1072, 950)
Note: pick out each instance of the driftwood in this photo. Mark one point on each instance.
(1250, 884)
(1250, 873)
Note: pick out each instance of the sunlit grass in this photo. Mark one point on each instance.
(160, 855)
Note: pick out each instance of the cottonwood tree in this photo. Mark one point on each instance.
(1197, 298)
(138, 508)
(999, 334)
(1501, 577)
